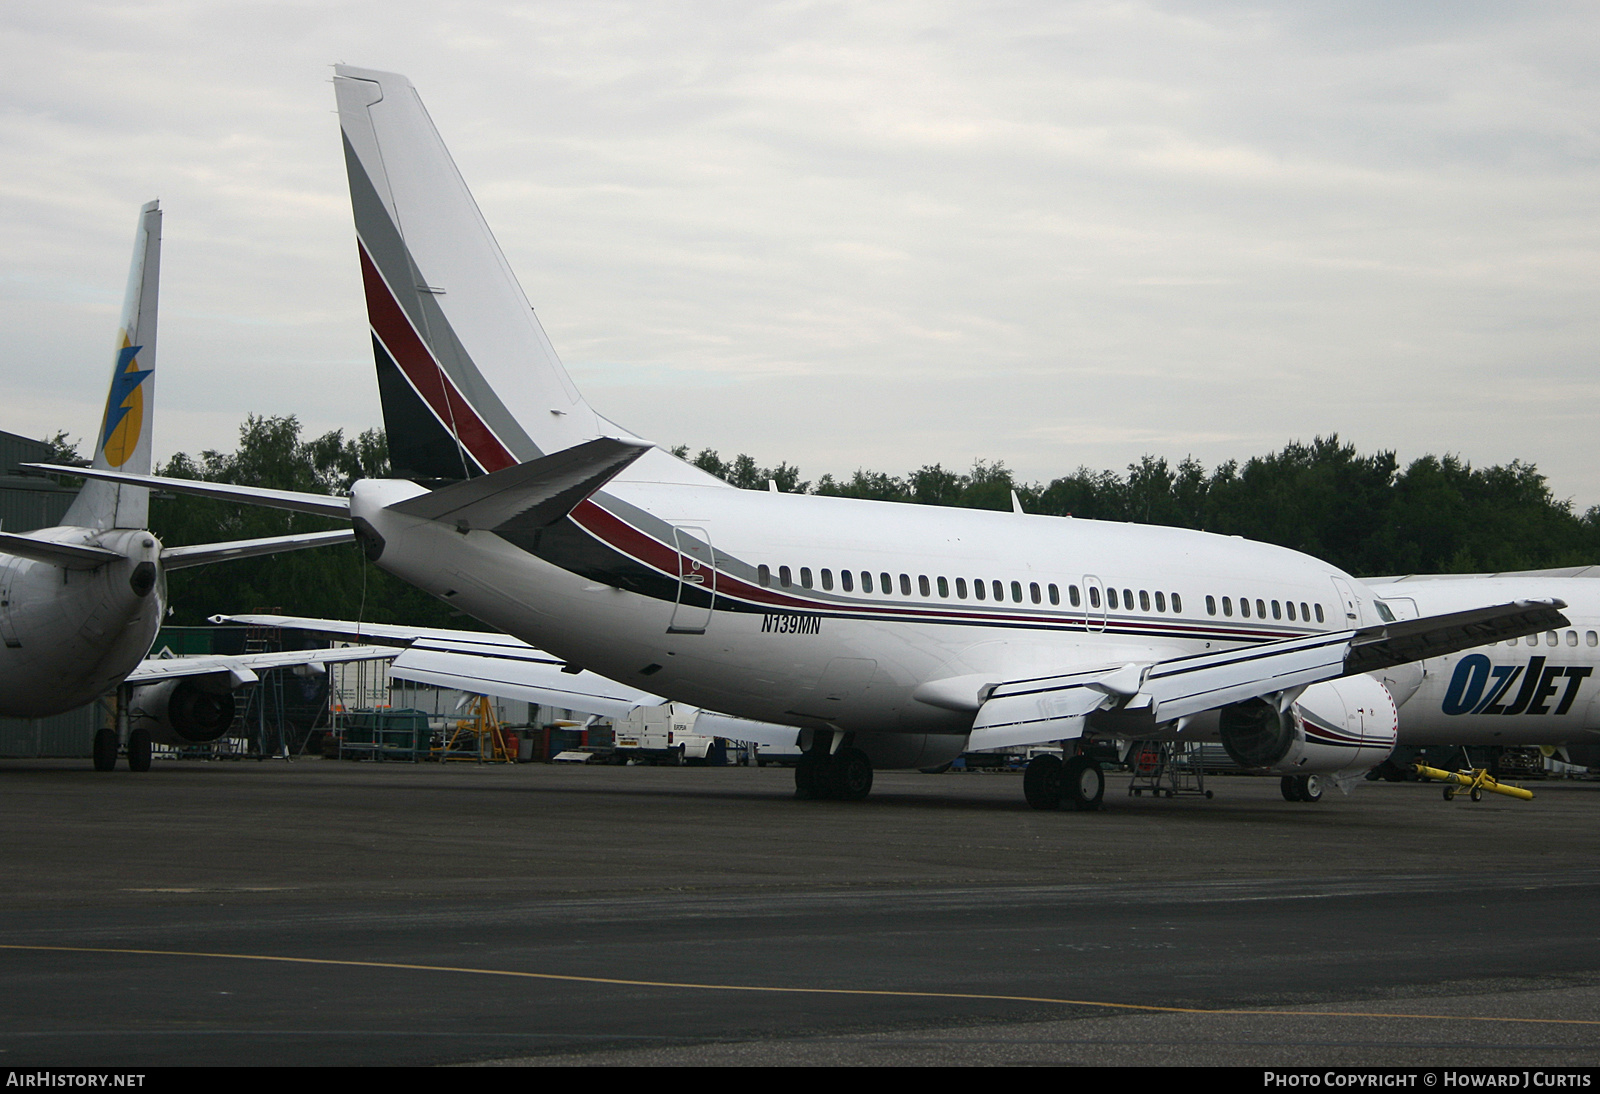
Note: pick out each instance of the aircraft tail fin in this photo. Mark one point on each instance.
(122, 442)
(470, 383)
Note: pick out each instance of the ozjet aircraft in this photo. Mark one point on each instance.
(80, 603)
(884, 635)
(1538, 690)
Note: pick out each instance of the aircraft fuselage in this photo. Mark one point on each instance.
(68, 636)
(823, 612)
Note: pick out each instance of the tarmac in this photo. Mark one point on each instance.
(328, 912)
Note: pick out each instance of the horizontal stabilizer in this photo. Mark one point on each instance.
(176, 558)
(530, 495)
(69, 556)
(321, 504)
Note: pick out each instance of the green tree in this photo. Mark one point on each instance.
(335, 582)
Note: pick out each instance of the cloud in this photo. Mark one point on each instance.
(856, 234)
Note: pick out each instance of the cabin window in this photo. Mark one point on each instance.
(1055, 592)
(1591, 638)
(1177, 603)
(827, 581)
(783, 577)
(805, 576)
(1277, 610)
(866, 581)
(1127, 599)
(1034, 593)
(1016, 592)
(1290, 606)
(1211, 604)
(1072, 595)
(886, 584)
(944, 587)
(1094, 596)
(922, 585)
(999, 590)
(979, 590)
(1244, 605)
(1111, 598)
(961, 588)
(1550, 638)
(1319, 612)
(764, 574)
(1144, 601)
(1161, 602)
(1261, 609)
(1227, 606)
(905, 584)
(847, 581)
(1572, 638)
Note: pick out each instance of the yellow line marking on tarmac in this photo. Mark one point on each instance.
(1147, 1007)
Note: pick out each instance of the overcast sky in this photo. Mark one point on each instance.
(853, 234)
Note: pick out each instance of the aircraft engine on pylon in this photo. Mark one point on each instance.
(1338, 727)
(186, 711)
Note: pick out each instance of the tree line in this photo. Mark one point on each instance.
(1363, 513)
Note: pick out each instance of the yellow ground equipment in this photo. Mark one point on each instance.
(480, 738)
(1474, 783)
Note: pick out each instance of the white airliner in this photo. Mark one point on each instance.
(886, 635)
(80, 603)
(1539, 690)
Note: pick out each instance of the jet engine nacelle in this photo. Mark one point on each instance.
(187, 711)
(1337, 727)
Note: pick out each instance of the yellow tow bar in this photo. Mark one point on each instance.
(1474, 783)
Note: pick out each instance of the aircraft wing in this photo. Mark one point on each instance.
(1042, 709)
(482, 662)
(242, 667)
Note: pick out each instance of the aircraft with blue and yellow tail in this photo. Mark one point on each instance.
(80, 603)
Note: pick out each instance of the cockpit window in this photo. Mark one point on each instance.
(1383, 611)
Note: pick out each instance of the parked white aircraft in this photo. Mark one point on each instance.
(1537, 690)
(80, 603)
(886, 635)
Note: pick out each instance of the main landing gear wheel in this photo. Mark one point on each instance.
(1083, 784)
(810, 778)
(1301, 788)
(845, 776)
(851, 775)
(139, 750)
(1041, 782)
(105, 750)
